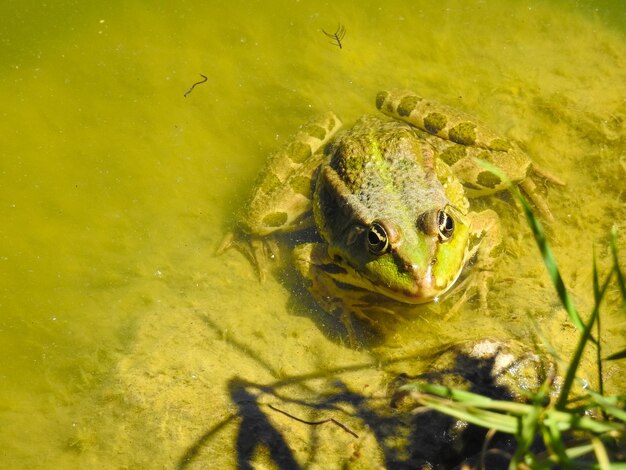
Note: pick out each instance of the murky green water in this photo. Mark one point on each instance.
(123, 340)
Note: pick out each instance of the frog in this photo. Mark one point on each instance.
(388, 199)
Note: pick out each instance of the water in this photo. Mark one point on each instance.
(122, 336)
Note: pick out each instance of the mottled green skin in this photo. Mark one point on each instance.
(380, 170)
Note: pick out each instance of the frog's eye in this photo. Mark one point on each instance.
(377, 239)
(445, 225)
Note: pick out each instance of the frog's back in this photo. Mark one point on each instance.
(387, 168)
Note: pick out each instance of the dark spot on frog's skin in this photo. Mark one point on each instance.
(381, 98)
(433, 261)
(331, 123)
(332, 269)
(328, 149)
(463, 133)
(434, 122)
(500, 144)
(301, 185)
(408, 104)
(488, 180)
(316, 131)
(453, 154)
(275, 219)
(346, 287)
(469, 185)
(298, 152)
(270, 182)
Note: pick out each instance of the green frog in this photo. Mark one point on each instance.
(388, 198)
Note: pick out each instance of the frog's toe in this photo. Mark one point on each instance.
(226, 243)
(259, 252)
(476, 284)
(529, 186)
(547, 175)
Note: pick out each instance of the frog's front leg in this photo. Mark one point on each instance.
(335, 288)
(484, 246)
(281, 199)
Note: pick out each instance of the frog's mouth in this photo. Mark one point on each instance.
(417, 286)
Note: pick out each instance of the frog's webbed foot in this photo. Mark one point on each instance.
(261, 252)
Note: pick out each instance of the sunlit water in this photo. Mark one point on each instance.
(124, 341)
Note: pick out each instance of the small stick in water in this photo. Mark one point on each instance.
(204, 79)
(315, 423)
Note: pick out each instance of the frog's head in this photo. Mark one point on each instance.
(414, 264)
(391, 214)
(419, 262)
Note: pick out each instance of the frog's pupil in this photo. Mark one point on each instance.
(377, 238)
(446, 225)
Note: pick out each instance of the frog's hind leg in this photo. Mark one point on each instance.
(476, 142)
(438, 119)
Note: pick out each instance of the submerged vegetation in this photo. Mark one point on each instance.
(557, 426)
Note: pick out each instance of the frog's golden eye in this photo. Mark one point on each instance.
(445, 224)
(377, 239)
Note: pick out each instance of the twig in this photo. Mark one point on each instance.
(204, 79)
(315, 423)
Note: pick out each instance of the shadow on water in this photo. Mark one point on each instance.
(407, 436)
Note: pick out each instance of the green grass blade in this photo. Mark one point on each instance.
(610, 405)
(529, 425)
(554, 442)
(486, 419)
(601, 455)
(550, 262)
(575, 361)
(616, 267)
(466, 398)
(598, 299)
(566, 420)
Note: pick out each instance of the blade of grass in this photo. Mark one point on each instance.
(527, 429)
(601, 455)
(487, 419)
(609, 405)
(550, 261)
(466, 398)
(582, 341)
(566, 420)
(616, 267)
(554, 441)
(544, 248)
(597, 298)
